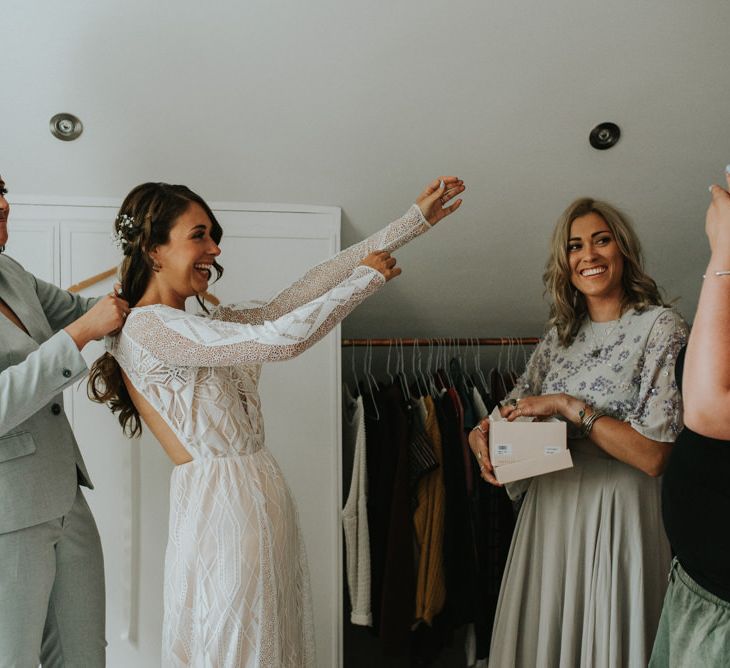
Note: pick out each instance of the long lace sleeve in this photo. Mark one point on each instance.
(181, 339)
(327, 274)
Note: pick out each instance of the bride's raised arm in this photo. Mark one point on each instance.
(428, 210)
(178, 338)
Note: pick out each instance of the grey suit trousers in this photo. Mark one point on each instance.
(51, 569)
(52, 590)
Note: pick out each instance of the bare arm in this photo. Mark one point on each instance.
(706, 381)
(620, 440)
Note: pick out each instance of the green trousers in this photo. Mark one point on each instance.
(694, 629)
(52, 605)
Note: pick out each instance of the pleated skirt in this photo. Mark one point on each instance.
(587, 569)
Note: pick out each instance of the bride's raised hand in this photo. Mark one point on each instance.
(434, 200)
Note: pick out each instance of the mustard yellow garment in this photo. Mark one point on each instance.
(428, 522)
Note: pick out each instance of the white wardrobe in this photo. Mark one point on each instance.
(264, 248)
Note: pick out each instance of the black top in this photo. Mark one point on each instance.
(696, 505)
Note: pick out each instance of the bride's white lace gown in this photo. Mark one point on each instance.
(236, 587)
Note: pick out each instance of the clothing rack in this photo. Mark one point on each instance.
(442, 341)
(413, 426)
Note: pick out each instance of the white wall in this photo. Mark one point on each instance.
(358, 104)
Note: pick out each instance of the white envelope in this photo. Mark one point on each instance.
(527, 447)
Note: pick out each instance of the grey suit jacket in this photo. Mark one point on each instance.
(40, 462)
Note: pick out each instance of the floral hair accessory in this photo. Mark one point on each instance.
(123, 232)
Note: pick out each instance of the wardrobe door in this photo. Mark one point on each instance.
(33, 241)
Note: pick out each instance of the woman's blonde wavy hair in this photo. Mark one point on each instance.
(568, 305)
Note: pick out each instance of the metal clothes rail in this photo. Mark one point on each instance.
(442, 341)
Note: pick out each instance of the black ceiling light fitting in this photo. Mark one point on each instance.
(604, 136)
(66, 127)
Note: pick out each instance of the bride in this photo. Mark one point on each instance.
(236, 589)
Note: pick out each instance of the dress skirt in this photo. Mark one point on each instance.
(237, 590)
(587, 569)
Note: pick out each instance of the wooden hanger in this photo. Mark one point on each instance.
(92, 280)
(97, 278)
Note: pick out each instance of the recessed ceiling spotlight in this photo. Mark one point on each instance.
(66, 127)
(604, 136)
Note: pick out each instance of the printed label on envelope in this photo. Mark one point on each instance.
(503, 450)
(551, 450)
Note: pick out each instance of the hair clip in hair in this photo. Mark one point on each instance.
(120, 236)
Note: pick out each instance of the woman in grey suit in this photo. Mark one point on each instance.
(51, 567)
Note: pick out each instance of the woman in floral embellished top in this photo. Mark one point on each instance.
(586, 573)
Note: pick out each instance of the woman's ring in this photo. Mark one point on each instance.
(479, 455)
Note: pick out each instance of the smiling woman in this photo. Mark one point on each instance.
(587, 568)
(236, 579)
(188, 258)
(595, 260)
(595, 257)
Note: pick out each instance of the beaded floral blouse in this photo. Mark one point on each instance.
(625, 368)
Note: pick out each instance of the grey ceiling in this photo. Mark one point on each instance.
(359, 104)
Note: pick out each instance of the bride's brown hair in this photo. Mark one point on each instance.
(144, 222)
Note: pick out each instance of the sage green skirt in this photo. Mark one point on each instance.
(587, 569)
(694, 629)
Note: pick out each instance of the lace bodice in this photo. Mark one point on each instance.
(200, 373)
